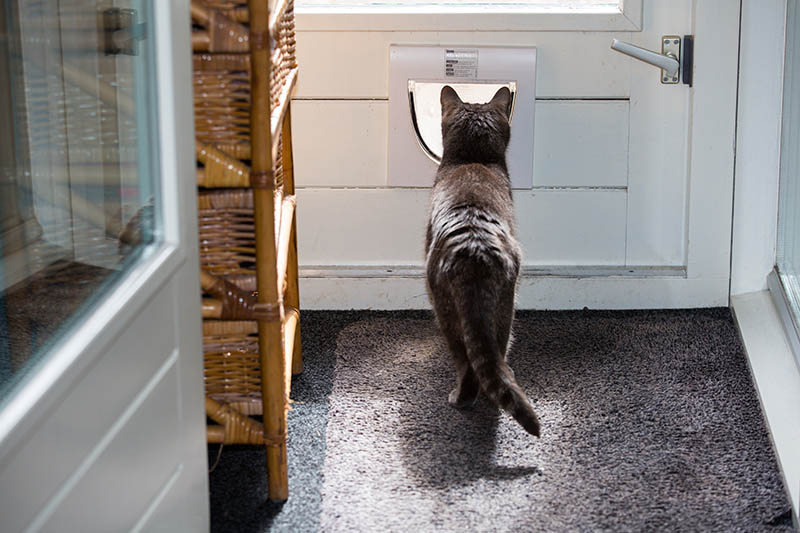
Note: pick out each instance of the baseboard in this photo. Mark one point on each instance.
(405, 289)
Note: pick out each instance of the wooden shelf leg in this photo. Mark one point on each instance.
(292, 283)
(270, 348)
(270, 336)
(270, 333)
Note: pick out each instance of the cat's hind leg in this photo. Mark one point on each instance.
(504, 314)
(467, 387)
(504, 317)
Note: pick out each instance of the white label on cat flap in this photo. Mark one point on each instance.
(461, 63)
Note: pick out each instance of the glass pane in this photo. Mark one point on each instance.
(788, 245)
(77, 196)
(602, 6)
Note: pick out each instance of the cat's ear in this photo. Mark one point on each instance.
(449, 99)
(502, 101)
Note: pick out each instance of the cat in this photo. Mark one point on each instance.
(472, 256)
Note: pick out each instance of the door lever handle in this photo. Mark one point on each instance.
(669, 61)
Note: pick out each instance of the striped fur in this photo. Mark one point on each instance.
(472, 256)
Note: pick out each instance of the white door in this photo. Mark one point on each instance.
(632, 180)
(102, 425)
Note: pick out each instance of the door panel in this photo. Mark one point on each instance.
(658, 164)
(565, 228)
(568, 153)
(117, 379)
(571, 153)
(123, 459)
(595, 220)
(712, 144)
(625, 167)
(354, 65)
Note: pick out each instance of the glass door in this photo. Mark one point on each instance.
(787, 260)
(78, 202)
(101, 402)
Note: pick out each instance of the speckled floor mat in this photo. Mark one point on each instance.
(649, 423)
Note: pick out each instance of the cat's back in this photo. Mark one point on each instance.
(472, 221)
(475, 184)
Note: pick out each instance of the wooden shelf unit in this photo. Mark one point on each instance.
(244, 74)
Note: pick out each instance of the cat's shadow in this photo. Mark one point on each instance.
(443, 446)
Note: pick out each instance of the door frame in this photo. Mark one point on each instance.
(758, 141)
(174, 259)
(766, 338)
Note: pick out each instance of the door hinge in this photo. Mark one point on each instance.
(120, 32)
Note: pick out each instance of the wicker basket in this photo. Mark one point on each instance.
(232, 365)
(222, 102)
(227, 250)
(221, 83)
(225, 228)
(226, 232)
(250, 327)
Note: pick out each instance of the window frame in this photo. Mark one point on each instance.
(626, 17)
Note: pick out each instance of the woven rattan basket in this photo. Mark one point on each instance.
(222, 102)
(227, 250)
(244, 72)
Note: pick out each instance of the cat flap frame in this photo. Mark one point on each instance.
(416, 75)
(427, 125)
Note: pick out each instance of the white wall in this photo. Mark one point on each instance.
(758, 144)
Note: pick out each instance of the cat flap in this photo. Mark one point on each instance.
(417, 74)
(426, 108)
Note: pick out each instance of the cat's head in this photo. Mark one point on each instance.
(475, 132)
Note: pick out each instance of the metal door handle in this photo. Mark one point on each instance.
(669, 62)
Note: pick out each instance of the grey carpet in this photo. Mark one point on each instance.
(649, 420)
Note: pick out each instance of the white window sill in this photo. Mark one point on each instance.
(627, 17)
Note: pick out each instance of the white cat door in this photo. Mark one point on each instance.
(416, 77)
(426, 110)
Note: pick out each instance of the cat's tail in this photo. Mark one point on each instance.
(488, 360)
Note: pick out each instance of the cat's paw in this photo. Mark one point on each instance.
(459, 400)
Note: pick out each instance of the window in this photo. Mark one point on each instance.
(469, 15)
(521, 5)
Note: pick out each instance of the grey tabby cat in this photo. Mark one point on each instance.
(472, 257)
